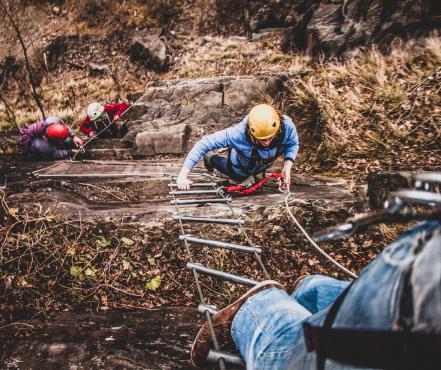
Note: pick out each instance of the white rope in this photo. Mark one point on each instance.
(313, 243)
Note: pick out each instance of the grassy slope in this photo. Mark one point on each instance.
(371, 110)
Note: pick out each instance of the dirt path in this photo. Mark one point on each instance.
(151, 339)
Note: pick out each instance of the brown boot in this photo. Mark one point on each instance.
(222, 324)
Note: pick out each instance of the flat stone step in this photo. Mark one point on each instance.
(108, 144)
(116, 153)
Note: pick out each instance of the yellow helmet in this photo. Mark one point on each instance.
(264, 121)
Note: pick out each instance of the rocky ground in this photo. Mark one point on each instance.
(91, 240)
(120, 339)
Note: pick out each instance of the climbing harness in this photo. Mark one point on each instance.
(374, 348)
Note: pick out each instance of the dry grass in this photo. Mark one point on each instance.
(69, 100)
(211, 56)
(372, 105)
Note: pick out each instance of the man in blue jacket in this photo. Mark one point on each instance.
(254, 145)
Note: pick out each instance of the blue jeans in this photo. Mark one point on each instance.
(400, 285)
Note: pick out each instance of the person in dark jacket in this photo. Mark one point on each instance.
(49, 139)
(101, 116)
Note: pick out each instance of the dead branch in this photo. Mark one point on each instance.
(10, 113)
(32, 83)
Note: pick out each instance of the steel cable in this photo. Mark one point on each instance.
(313, 243)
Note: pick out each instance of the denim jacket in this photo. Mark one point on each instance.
(400, 289)
(246, 158)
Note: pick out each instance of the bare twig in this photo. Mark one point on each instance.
(17, 323)
(104, 190)
(11, 116)
(32, 83)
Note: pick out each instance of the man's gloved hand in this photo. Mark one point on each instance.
(78, 153)
(77, 141)
(182, 182)
(285, 183)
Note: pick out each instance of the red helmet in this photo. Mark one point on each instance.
(57, 131)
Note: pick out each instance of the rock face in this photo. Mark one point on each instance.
(334, 27)
(162, 119)
(156, 142)
(149, 50)
(381, 184)
(270, 14)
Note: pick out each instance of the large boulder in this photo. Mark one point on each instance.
(273, 13)
(149, 50)
(203, 105)
(381, 184)
(159, 142)
(334, 27)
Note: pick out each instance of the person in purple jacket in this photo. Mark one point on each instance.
(49, 139)
(254, 145)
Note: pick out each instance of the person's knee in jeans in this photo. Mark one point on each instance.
(265, 327)
(316, 292)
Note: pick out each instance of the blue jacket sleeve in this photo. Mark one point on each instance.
(216, 140)
(291, 139)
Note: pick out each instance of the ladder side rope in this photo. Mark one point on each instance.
(313, 243)
(213, 180)
(242, 230)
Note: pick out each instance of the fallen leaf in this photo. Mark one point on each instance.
(103, 242)
(154, 284)
(126, 241)
(126, 265)
(90, 271)
(75, 271)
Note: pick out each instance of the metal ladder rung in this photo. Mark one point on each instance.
(200, 184)
(200, 201)
(190, 192)
(218, 244)
(207, 307)
(221, 274)
(209, 220)
(229, 358)
(426, 178)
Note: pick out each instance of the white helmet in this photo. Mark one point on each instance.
(95, 110)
